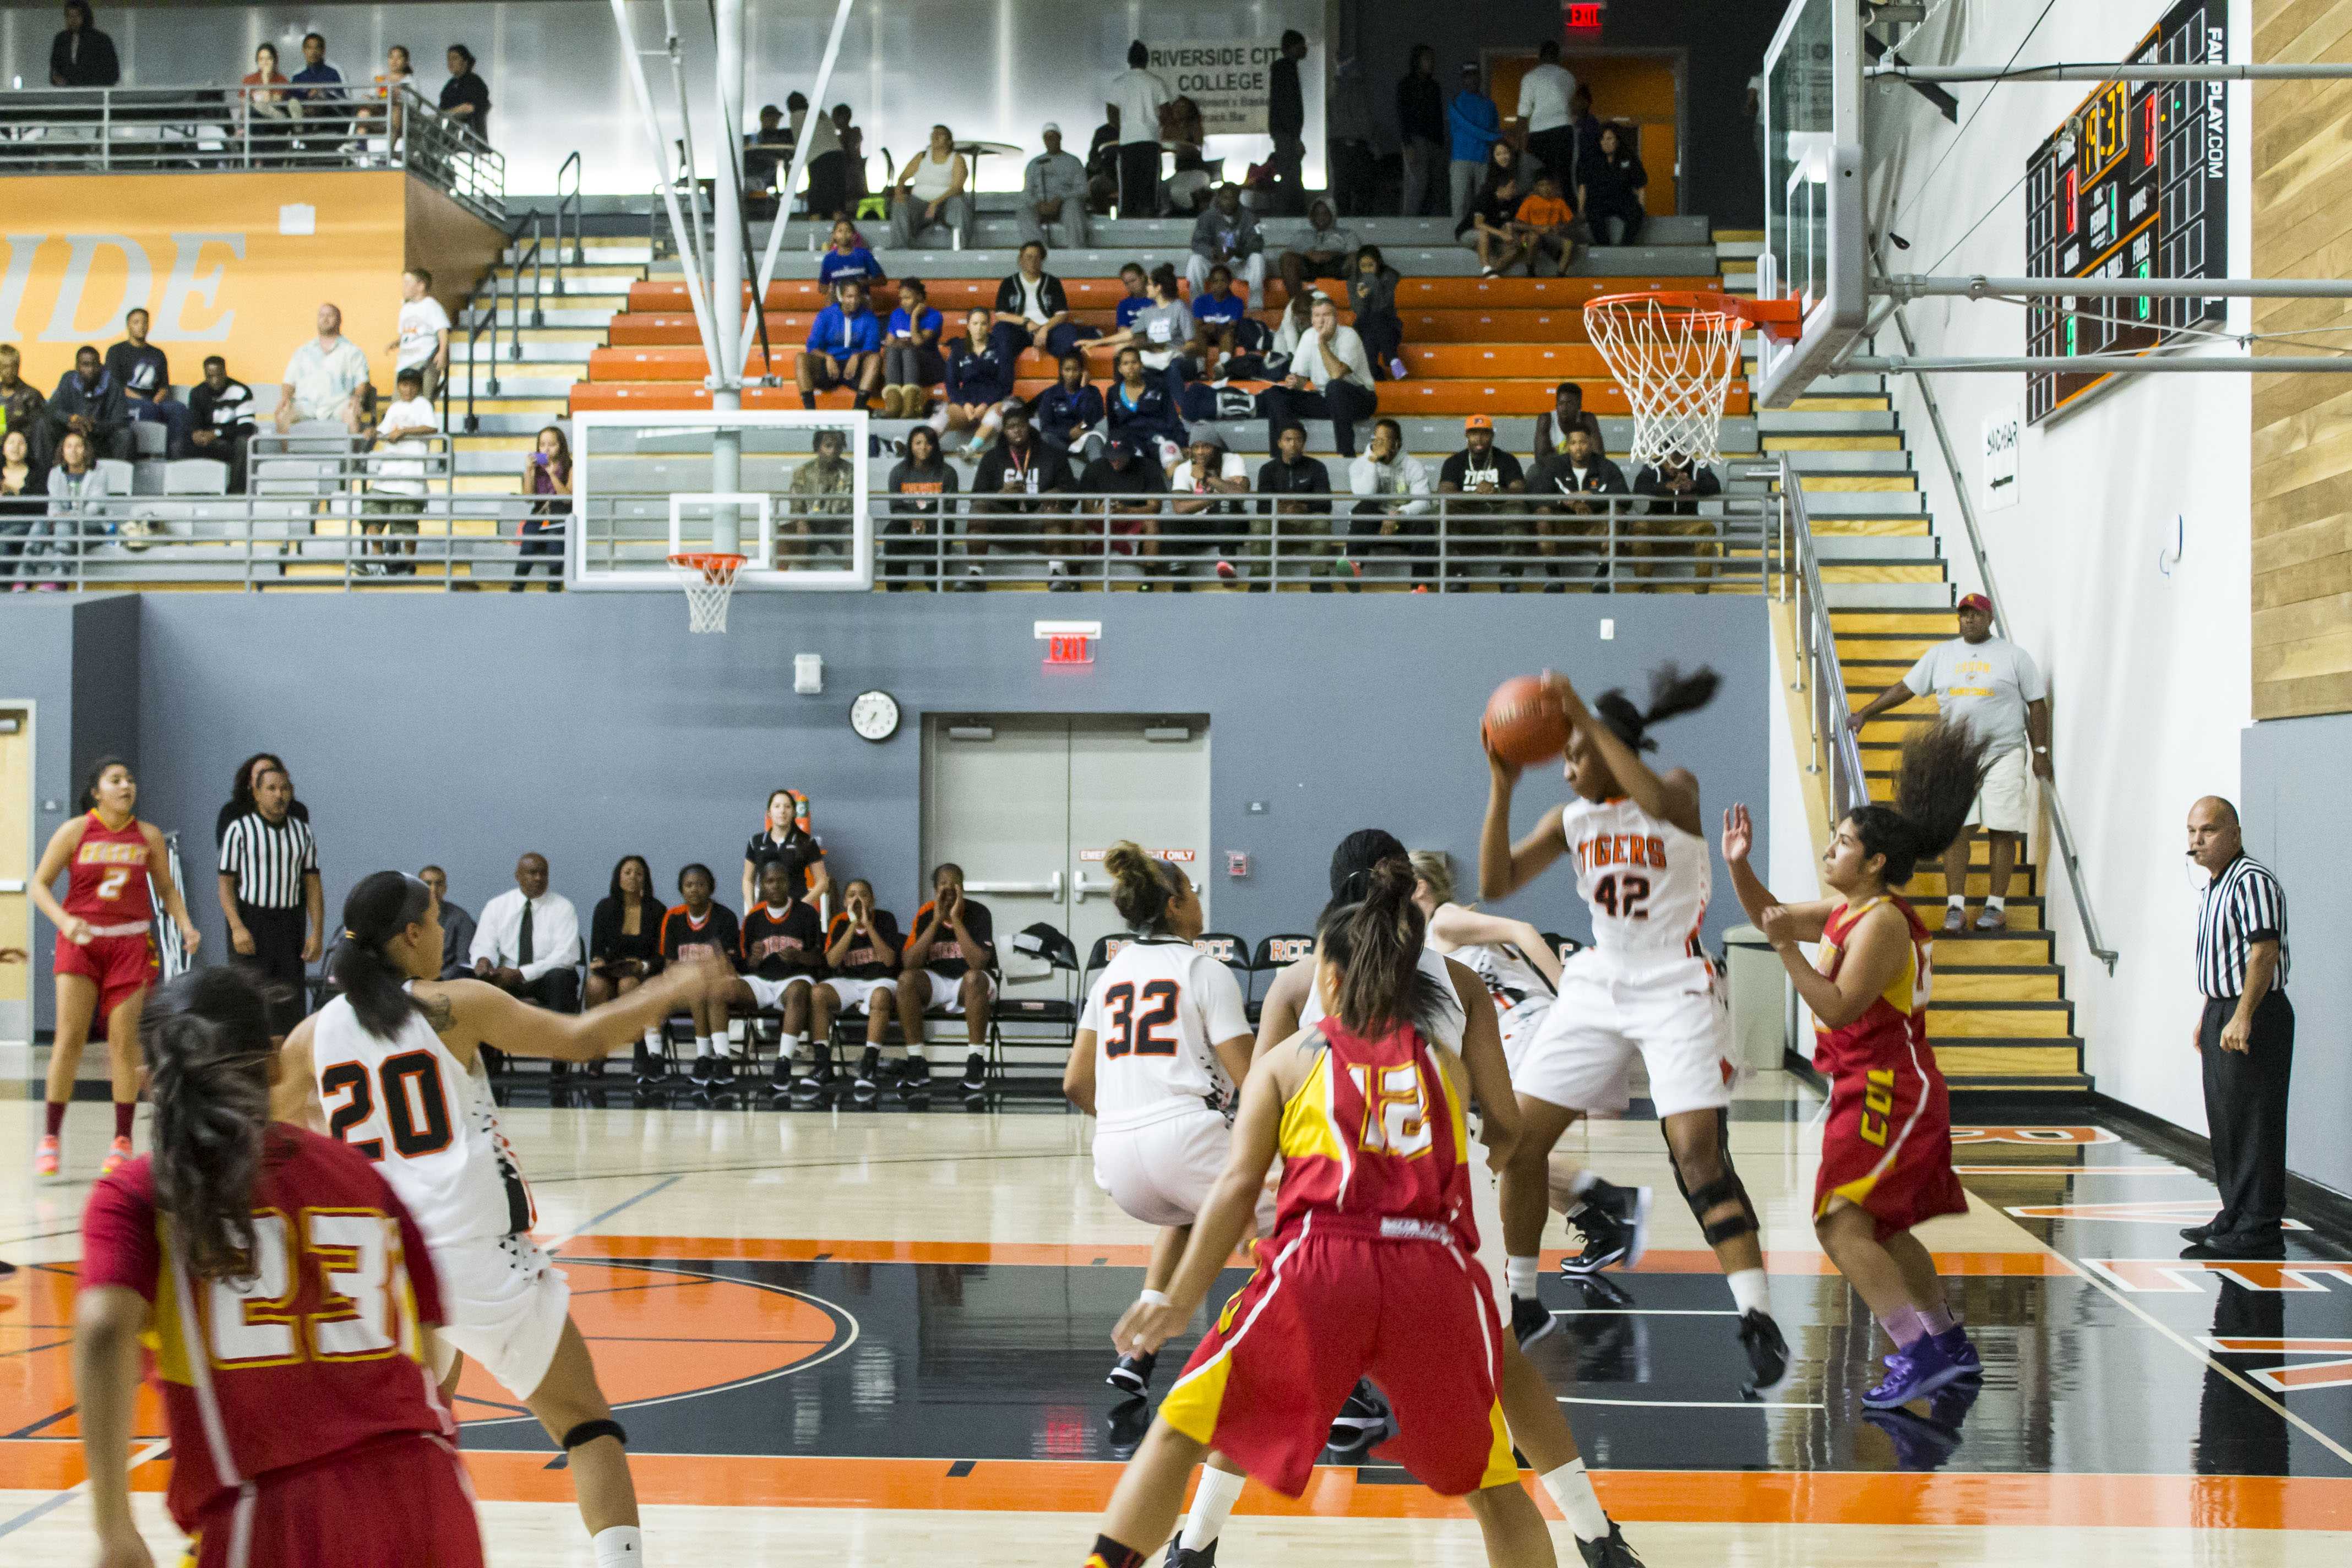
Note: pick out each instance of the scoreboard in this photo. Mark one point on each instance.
(2133, 185)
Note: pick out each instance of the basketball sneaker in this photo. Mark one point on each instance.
(1183, 1556)
(1132, 1375)
(1615, 1222)
(1914, 1372)
(814, 1076)
(975, 1074)
(1530, 1320)
(45, 1157)
(704, 1072)
(1363, 1423)
(915, 1078)
(649, 1068)
(869, 1069)
(1612, 1550)
(1957, 1344)
(116, 1158)
(1768, 1352)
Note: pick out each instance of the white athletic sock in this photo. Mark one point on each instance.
(701, 1047)
(621, 1546)
(1210, 1506)
(1956, 902)
(1750, 1290)
(1581, 1183)
(1519, 1274)
(1996, 902)
(1571, 1488)
(915, 1053)
(653, 1036)
(789, 1046)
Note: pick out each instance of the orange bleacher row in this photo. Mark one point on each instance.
(1474, 345)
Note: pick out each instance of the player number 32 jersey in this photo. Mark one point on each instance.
(1646, 880)
(1157, 1011)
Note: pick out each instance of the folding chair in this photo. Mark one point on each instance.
(1274, 955)
(1234, 954)
(1046, 941)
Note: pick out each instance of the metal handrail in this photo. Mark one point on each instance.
(1834, 746)
(570, 201)
(479, 322)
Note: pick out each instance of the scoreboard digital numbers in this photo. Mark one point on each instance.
(2133, 185)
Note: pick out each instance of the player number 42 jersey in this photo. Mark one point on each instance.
(1646, 880)
(1157, 1011)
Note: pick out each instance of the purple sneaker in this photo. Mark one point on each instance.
(1962, 1352)
(1914, 1373)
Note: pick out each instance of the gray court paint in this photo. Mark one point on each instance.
(467, 729)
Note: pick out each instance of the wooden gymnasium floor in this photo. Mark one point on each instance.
(879, 1338)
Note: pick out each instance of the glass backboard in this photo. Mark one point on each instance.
(1813, 233)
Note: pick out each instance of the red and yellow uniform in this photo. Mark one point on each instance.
(1371, 1270)
(1887, 1145)
(106, 884)
(306, 1430)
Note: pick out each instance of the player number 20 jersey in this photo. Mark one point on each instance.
(1646, 880)
(1157, 1010)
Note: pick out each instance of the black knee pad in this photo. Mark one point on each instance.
(1726, 1188)
(589, 1431)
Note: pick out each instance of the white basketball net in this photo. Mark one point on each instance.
(1676, 362)
(709, 585)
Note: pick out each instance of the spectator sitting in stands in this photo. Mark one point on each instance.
(1126, 471)
(783, 953)
(423, 345)
(1330, 379)
(1140, 408)
(979, 382)
(323, 377)
(1546, 225)
(1481, 469)
(1208, 472)
(925, 476)
(930, 189)
(124, 358)
(265, 96)
(1493, 212)
(1612, 196)
(396, 485)
(1181, 129)
(1326, 252)
(1070, 412)
(1033, 311)
(1137, 298)
(1227, 232)
(861, 950)
(318, 86)
(1677, 485)
(1391, 514)
(847, 257)
(220, 415)
(77, 492)
(911, 365)
(1474, 125)
(945, 965)
(22, 407)
(140, 368)
(397, 73)
(1552, 426)
(624, 947)
(699, 921)
(1054, 195)
(464, 97)
(81, 56)
(1565, 483)
(456, 925)
(1217, 315)
(529, 941)
(767, 155)
(820, 495)
(547, 479)
(1371, 294)
(844, 349)
(1160, 333)
(23, 492)
(1287, 476)
(1019, 467)
(91, 402)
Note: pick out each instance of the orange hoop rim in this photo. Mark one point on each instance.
(713, 564)
(1777, 318)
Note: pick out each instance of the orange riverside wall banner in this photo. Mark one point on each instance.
(218, 261)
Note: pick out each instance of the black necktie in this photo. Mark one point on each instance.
(522, 937)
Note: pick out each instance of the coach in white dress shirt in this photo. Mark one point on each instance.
(528, 941)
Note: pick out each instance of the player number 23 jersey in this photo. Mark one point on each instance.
(1157, 1010)
(1647, 881)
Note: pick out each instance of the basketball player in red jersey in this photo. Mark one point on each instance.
(1886, 1147)
(306, 1435)
(105, 955)
(1372, 1268)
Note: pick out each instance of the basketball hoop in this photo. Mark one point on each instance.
(709, 582)
(1675, 354)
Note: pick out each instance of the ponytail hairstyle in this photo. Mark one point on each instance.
(1352, 862)
(1147, 886)
(1375, 943)
(97, 772)
(1936, 783)
(207, 1037)
(1672, 693)
(1436, 868)
(383, 905)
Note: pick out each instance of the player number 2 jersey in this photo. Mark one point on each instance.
(106, 883)
(1646, 880)
(1157, 1010)
(431, 1126)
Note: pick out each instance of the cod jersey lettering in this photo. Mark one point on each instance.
(1647, 881)
(430, 1125)
(1157, 1011)
(106, 881)
(320, 1354)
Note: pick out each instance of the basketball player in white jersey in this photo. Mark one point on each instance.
(393, 1067)
(1644, 984)
(1521, 972)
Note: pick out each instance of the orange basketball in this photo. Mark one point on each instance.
(1524, 723)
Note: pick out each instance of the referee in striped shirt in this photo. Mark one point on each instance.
(270, 891)
(2246, 1035)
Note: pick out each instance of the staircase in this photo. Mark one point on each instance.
(2000, 1020)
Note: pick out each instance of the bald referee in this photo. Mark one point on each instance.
(2246, 1035)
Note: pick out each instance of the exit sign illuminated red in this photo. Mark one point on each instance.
(1583, 16)
(1068, 647)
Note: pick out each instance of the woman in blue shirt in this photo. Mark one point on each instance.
(1070, 412)
(979, 380)
(848, 257)
(1139, 407)
(911, 365)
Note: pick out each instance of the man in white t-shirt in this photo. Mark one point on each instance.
(424, 342)
(1545, 93)
(396, 478)
(322, 377)
(1208, 471)
(1136, 96)
(1995, 688)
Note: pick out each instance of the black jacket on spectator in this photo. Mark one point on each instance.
(1285, 109)
(975, 374)
(228, 409)
(1421, 107)
(1652, 481)
(1045, 466)
(1142, 477)
(1497, 203)
(607, 940)
(83, 59)
(1307, 477)
(469, 88)
(1609, 183)
(1556, 477)
(1059, 413)
(123, 359)
(25, 409)
(103, 404)
(1150, 414)
(1050, 297)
